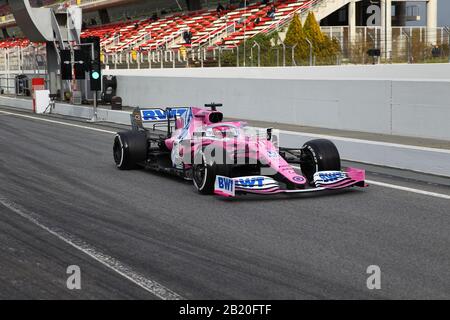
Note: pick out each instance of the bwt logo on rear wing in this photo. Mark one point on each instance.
(158, 115)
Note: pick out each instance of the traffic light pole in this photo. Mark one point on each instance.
(95, 111)
(95, 118)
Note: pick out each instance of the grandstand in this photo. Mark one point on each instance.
(150, 27)
(229, 28)
(207, 27)
(14, 43)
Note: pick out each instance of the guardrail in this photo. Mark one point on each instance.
(211, 37)
(416, 49)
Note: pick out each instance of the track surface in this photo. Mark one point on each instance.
(204, 247)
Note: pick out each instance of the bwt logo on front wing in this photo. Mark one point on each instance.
(329, 176)
(226, 184)
(251, 182)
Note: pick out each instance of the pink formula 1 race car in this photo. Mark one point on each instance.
(228, 158)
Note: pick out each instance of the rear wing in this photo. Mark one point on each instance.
(156, 116)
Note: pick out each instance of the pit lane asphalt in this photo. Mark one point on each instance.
(205, 247)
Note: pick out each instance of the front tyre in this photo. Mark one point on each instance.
(130, 149)
(319, 155)
(205, 171)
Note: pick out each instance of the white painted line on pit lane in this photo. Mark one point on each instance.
(56, 122)
(396, 187)
(149, 285)
(314, 135)
(378, 143)
(386, 185)
(422, 192)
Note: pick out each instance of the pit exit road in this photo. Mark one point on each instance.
(168, 242)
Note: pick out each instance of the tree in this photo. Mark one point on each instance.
(324, 47)
(313, 33)
(295, 32)
(296, 36)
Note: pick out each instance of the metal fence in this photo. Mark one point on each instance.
(30, 61)
(407, 45)
(19, 59)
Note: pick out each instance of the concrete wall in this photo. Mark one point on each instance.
(425, 160)
(410, 100)
(65, 109)
(355, 72)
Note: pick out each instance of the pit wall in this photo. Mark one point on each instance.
(407, 100)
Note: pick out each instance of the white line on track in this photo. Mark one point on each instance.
(56, 122)
(406, 189)
(378, 143)
(422, 192)
(113, 264)
(381, 184)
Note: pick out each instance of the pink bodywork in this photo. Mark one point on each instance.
(251, 147)
(259, 149)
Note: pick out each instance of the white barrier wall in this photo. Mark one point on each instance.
(425, 160)
(410, 100)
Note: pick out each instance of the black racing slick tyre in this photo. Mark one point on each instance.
(319, 155)
(130, 149)
(205, 171)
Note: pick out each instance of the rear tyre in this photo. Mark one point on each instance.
(130, 149)
(319, 155)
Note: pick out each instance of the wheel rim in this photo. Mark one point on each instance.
(117, 151)
(308, 165)
(200, 174)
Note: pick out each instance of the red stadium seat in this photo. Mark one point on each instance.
(168, 31)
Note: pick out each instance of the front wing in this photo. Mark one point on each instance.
(263, 185)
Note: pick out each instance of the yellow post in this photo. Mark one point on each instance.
(183, 52)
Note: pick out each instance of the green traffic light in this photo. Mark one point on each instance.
(95, 75)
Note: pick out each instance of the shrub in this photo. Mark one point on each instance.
(325, 49)
(295, 36)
